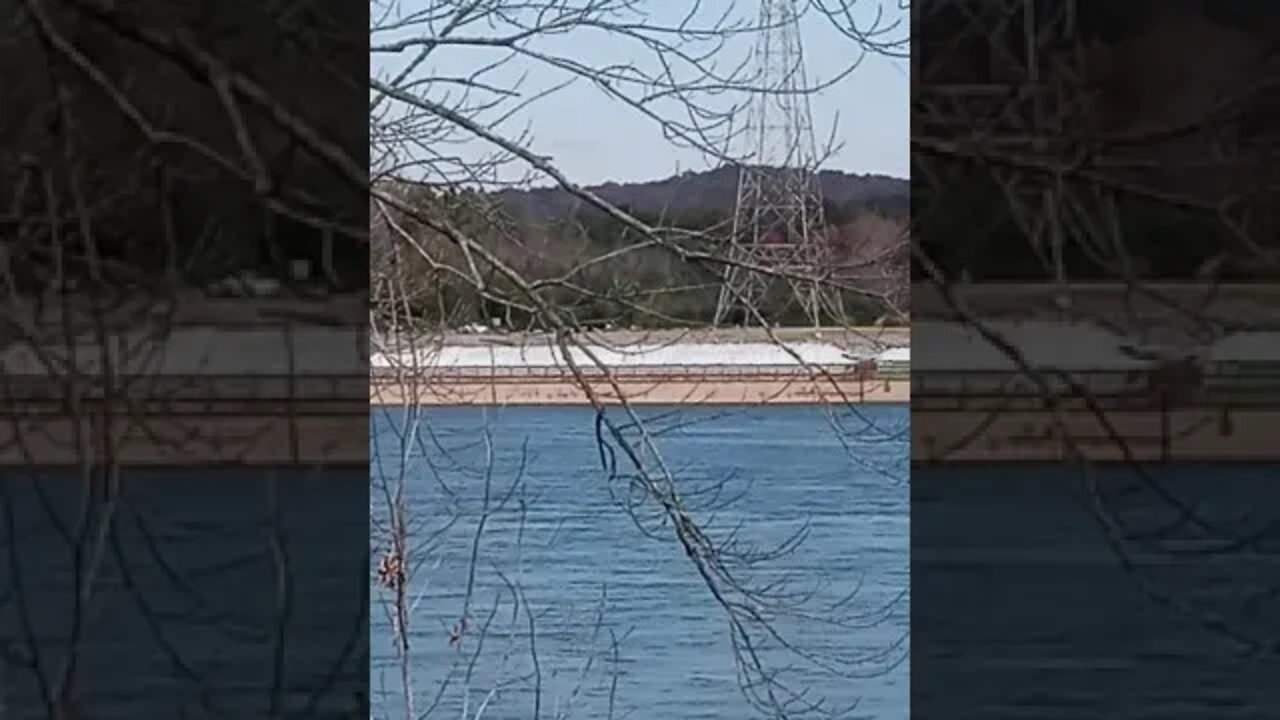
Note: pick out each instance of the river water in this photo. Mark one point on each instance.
(581, 607)
(203, 593)
(1055, 592)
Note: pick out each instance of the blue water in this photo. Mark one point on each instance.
(1022, 608)
(583, 603)
(213, 593)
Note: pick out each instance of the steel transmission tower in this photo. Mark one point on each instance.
(776, 239)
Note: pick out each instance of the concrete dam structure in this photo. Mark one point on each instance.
(201, 393)
(683, 373)
(1077, 390)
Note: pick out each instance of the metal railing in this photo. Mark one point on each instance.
(1110, 389)
(663, 372)
(210, 388)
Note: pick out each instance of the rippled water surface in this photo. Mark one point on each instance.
(204, 593)
(574, 611)
(1024, 609)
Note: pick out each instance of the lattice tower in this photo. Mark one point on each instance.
(778, 220)
(994, 78)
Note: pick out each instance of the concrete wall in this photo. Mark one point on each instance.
(1182, 435)
(203, 351)
(650, 388)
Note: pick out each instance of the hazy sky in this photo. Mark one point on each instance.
(594, 138)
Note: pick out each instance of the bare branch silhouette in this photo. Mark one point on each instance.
(447, 254)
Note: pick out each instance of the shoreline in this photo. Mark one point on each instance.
(238, 397)
(245, 433)
(650, 388)
(943, 438)
(726, 366)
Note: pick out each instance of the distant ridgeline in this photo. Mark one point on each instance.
(1160, 243)
(548, 232)
(712, 191)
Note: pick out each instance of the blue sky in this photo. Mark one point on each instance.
(593, 138)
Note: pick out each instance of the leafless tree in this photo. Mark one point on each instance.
(137, 156)
(441, 141)
(1122, 199)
